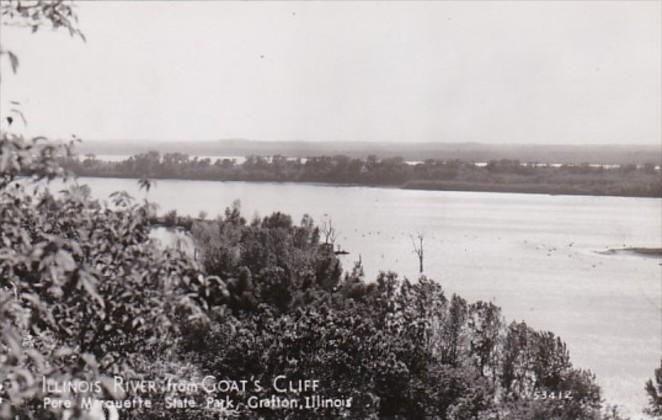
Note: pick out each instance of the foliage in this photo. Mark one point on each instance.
(397, 348)
(83, 279)
(267, 261)
(36, 14)
(654, 391)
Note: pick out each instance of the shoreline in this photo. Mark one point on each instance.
(647, 252)
(458, 186)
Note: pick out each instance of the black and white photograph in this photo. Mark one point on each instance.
(446, 210)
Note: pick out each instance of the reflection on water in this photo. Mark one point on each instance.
(534, 255)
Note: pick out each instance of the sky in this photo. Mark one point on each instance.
(566, 72)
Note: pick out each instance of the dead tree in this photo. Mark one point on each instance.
(417, 244)
(329, 232)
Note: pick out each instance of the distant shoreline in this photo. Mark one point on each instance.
(518, 189)
(414, 186)
(641, 251)
(504, 176)
(622, 153)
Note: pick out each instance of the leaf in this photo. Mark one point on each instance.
(20, 114)
(13, 60)
(145, 184)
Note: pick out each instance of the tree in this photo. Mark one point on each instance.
(84, 293)
(417, 244)
(329, 232)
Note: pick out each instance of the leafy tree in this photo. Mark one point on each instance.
(83, 290)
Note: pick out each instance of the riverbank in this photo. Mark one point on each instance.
(585, 190)
(588, 190)
(511, 176)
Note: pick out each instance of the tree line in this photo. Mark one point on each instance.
(434, 174)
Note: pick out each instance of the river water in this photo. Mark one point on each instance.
(539, 257)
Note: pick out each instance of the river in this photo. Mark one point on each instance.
(537, 256)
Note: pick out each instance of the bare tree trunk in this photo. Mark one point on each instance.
(420, 258)
(418, 249)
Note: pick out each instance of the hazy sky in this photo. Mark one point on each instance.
(526, 72)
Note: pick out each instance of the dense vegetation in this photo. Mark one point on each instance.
(503, 175)
(397, 348)
(83, 290)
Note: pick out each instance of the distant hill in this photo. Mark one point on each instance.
(479, 152)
